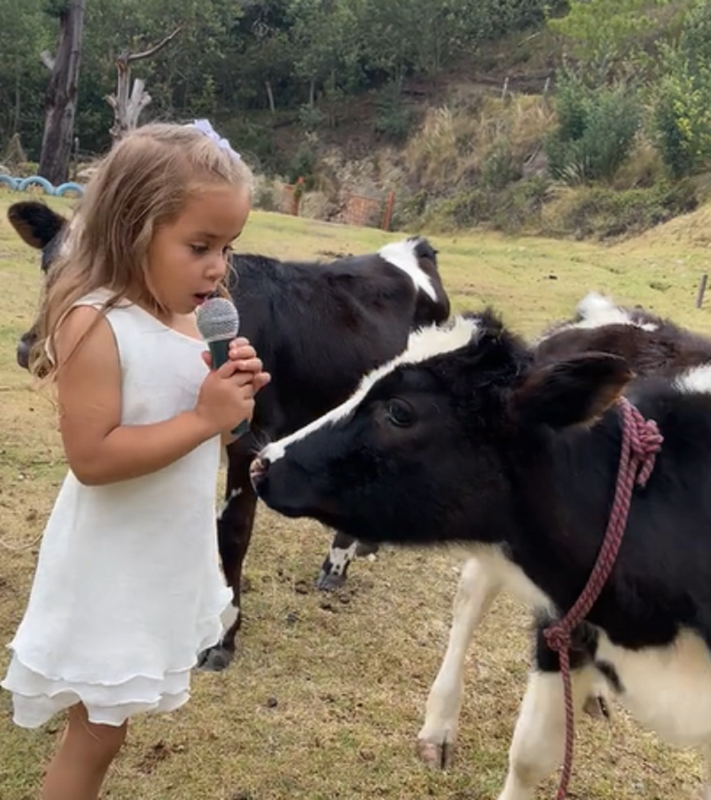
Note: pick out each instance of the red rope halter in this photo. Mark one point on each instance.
(640, 442)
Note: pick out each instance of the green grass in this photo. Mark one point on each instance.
(327, 694)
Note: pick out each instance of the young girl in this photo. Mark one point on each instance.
(128, 589)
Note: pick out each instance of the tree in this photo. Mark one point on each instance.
(606, 35)
(266, 56)
(127, 107)
(21, 38)
(324, 36)
(61, 98)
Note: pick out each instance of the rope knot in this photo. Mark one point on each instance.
(557, 637)
(645, 441)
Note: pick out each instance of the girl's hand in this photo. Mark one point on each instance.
(245, 357)
(226, 398)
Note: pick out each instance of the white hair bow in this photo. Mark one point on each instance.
(204, 126)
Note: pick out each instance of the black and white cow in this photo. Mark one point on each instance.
(651, 346)
(466, 438)
(318, 327)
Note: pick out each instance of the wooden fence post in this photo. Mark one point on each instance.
(298, 194)
(388, 212)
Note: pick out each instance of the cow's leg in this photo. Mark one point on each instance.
(538, 744)
(234, 532)
(476, 591)
(344, 549)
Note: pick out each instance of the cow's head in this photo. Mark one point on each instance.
(42, 228)
(430, 446)
(650, 344)
(417, 258)
(430, 310)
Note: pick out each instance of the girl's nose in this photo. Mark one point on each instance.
(218, 267)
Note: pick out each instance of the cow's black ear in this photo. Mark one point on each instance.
(36, 223)
(571, 392)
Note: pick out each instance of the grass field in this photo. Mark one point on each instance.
(327, 694)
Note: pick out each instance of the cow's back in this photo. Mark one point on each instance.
(319, 328)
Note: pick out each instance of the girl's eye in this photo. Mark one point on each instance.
(198, 249)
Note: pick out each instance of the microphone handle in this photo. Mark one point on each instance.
(219, 351)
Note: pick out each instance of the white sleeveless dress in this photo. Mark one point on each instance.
(128, 588)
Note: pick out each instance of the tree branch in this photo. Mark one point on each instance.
(153, 50)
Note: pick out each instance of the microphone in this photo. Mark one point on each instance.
(218, 322)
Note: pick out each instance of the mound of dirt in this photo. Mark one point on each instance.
(690, 230)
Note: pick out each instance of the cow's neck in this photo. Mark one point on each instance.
(567, 484)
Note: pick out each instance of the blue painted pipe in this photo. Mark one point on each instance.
(70, 186)
(20, 184)
(36, 179)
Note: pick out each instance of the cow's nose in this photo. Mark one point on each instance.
(23, 355)
(258, 469)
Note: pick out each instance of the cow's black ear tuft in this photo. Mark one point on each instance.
(571, 392)
(36, 223)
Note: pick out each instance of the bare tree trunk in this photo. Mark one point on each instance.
(270, 96)
(18, 95)
(61, 95)
(127, 107)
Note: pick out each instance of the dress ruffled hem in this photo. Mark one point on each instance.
(37, 697)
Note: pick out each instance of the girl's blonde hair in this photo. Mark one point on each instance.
(144, 181)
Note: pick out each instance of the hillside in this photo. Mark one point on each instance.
(375, 142)
(564, 118)
(467, 149)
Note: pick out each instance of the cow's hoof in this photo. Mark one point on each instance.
(436, 754)
(596, 706)
(365, 549)
(329, 581)
(214, 659)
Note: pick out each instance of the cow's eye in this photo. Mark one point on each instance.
(400, 413)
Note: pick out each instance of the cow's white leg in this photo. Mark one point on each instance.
(476, 591)
(538, 743)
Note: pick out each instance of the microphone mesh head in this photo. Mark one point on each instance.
(217, 319)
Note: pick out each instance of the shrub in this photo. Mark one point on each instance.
(513, 209)
(603, 212)
(303, 165)
(596, 130)
(681, 121)
(393, 119)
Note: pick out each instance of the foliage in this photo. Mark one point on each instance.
(24, 28)
(682, 120)
(604, 34)
(595, 131)
(682, 112)
(602, 212)
(303, 165)
(276, 75)
(393, 118)
(253, 55)
(511, 209)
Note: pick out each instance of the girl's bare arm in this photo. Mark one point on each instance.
(98, 448)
